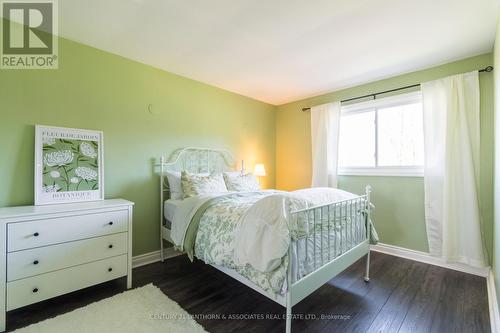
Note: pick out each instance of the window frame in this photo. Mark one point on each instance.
(373, 106)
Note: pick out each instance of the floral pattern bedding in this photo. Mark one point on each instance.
(215, 240)
(215, 243)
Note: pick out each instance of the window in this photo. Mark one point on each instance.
(382, 137)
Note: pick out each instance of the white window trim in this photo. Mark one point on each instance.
(397, 171)
(385, 102)
(389, 171)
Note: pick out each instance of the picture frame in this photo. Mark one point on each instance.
(69, 165)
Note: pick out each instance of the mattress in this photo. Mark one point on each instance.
(169, 208)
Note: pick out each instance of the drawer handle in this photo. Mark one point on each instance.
(35, 262)
(110, 246)
(36, 234)
(110, 223)
(110, 269)
(35, 290)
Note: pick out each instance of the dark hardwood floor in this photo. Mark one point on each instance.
(402, 296)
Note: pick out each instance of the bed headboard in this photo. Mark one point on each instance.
(198, 160)
(195, 160)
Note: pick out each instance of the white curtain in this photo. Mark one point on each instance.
(451, 174)
(325, 136)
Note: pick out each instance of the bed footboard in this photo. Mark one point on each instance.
(329, 238)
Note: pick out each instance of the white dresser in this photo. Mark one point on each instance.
(46, 251)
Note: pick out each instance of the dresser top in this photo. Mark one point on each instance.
(20, 211)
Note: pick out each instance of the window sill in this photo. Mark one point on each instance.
(383, 172)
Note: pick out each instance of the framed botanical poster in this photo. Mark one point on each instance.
(68, 165)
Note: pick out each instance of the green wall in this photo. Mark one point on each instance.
(496, 227)
(399, 214)
(93, 89)
(98, 90)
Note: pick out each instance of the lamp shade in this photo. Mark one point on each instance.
(259, 170)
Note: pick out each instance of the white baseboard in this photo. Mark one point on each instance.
(428, 259)
(151, 257)
(493, 304)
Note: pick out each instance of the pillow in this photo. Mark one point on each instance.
(195, 184)
(175, 185)
(235, 181)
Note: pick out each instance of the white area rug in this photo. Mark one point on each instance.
(143, 310)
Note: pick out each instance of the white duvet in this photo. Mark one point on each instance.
(263, 234)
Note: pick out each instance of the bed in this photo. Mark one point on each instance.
(306, 239)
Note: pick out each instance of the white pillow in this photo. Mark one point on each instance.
(175, 185)
(196, 184)
(236, 181)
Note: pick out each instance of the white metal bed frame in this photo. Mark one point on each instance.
(346, 250)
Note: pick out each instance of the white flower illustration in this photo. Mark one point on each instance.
(86, 173)
(51, 188)
(55, 174)
(58, 158)
(74, 180)
(48, 141)
(87, 150)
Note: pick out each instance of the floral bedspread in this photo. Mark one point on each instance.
(220, 222)
(214, 242)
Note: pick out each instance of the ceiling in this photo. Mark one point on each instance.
(284, 50)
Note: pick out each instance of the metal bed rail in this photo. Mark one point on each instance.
(326, 240)
(326, 232)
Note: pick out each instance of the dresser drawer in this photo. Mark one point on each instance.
(22, 264)
(38, 288)
(36, 233)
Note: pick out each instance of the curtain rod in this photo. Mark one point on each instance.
(484, 70)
